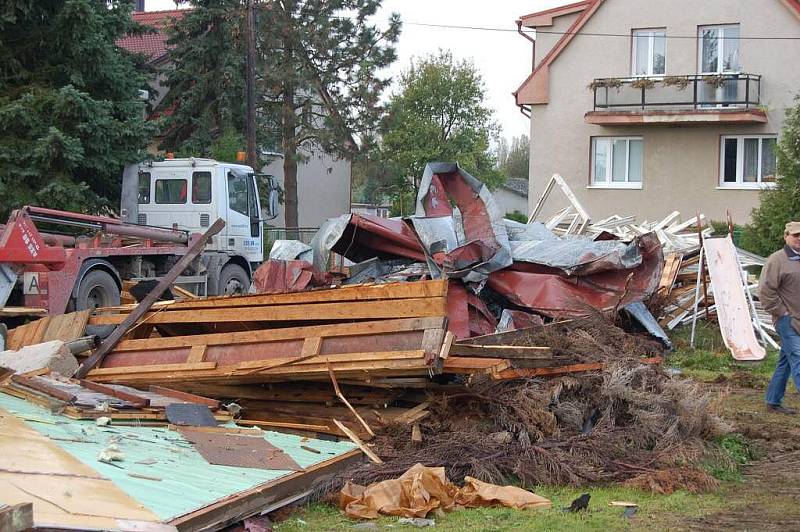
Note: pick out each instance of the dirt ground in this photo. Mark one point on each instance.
(769, 497)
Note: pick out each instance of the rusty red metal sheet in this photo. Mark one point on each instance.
(558, 295)
(281, 276)
(369, 236)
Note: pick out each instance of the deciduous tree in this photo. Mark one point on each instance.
(439, 114)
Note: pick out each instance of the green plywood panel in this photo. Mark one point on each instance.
(187, 483)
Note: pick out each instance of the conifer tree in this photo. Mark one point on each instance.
(71, 115)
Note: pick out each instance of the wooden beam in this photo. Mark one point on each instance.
(360, 310)
(213, 404)
(364, 328)
(501, 351)
(444, 352)
(197, 353)
(347, 403)
(136, 400)
(355, 439)
(108, 344)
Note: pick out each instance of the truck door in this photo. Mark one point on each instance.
(244, 223)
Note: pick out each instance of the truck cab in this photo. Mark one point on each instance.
(189, 194)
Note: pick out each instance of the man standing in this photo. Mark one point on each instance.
(779, 292)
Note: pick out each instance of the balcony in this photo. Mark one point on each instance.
(693, 99)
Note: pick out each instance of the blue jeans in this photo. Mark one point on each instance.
(789, 362)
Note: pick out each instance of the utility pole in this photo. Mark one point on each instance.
(250, 84)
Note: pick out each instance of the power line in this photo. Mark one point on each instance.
(588, 34)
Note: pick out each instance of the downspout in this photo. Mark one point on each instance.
(525, 110)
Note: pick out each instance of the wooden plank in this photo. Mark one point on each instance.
(197, 353)
(411, 414)
(155, 368)
(278, 424)
(562, 370)
(136, 400)
(28, 334)
(22, 311)
(311, 346)
(501, 351)
(293, 333)
(347, 403)
(43, 387)
(108, 344)
(444, 352)
(185, 396)
(16, 517)
(387, 291)
(337, 358)
(363, 310)
(474, 365)
(66, 327)
(355, 439)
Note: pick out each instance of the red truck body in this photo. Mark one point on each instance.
(51, 266)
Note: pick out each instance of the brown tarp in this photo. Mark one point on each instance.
(422, 489)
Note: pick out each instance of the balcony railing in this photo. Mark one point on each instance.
(715, 91)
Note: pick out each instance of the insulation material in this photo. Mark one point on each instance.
(422, 489)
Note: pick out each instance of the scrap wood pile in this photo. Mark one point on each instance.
(450, 312)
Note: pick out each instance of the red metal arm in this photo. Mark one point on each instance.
(21, 243)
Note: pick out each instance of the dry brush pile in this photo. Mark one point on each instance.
(631, 423)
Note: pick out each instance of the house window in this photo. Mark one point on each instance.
(649, 52)
(719, 49)
(747, 161)
(617, 162)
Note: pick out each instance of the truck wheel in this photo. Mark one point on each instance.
(97, 289)
(233, 280)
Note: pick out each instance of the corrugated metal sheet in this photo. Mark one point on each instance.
(187, 482)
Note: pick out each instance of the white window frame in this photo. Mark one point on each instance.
(740, 183)
(721, 48)
(607, 182)
(651, 33)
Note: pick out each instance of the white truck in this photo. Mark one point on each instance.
(189, 194)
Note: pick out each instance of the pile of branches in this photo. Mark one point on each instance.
(630, 422)
(592, 338)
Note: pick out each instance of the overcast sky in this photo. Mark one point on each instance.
(503, 58)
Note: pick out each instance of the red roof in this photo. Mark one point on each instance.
(153, 45)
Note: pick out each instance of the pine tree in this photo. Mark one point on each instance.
(205, 79)
(780, 204)
(317, 78)
(70, 112)
(322, 60)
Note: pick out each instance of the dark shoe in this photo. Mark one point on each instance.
(778, 409)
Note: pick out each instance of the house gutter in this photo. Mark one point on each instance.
(525, 110)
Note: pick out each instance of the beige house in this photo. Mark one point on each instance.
(649, 106)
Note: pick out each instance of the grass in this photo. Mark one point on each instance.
(710, 358)
(734, 452)
(601, 516)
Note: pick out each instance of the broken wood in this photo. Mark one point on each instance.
(347, 403)
(355, 439)
(108, 344)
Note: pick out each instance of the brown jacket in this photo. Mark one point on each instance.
(779, 287)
